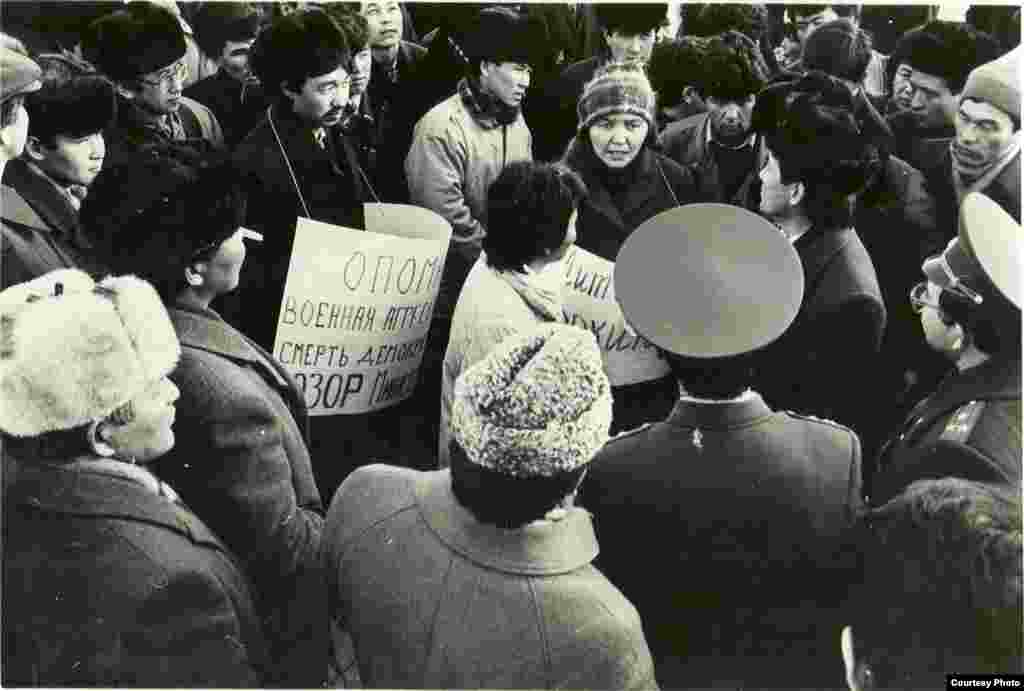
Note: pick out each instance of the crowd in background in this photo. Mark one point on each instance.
(812, 477)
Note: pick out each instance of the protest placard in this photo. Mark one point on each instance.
(357, 307)
(590, 303)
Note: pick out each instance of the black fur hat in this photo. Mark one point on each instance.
(298, 46)
(136, 40)
(501, 34)
(75, 107)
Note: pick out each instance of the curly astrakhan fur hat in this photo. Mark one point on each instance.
(538, 405)
(73, 351)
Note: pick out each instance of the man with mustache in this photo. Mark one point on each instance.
(931, 67)
(296, 161)
(725, 153)
(226, 32)
(984, 156)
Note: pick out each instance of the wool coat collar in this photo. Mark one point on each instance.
(48, 202)
(719, 415)
(544, 548)
(206, 330)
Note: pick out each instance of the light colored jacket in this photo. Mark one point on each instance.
(488, 310)
(455, 157)
(435, 599)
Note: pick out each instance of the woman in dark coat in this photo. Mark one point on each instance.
(108, 579)
(969, 306)
(628, 182)
(242, 462)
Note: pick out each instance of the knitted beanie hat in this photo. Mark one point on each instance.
(619, 87)
(537, 406)
(997, 83)
(73, 351)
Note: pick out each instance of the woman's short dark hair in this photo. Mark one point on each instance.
(506, 501)
(811, 126)
(528, 211)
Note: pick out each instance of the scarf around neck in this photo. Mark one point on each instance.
(540, 290)
(486, 109)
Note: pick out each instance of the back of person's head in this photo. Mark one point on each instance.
(839, 48)
(942, 586)
(75, 101)
(734, 68)
(298, 46)
(631, 18)
(526, 420)
(528, 210)
(216, 23)
(812, 127)
(750, 20)
(156, 212)
(945, 49)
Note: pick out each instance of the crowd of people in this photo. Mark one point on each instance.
(808, 477)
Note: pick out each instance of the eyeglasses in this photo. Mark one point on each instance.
(176, 73)
(919, 298)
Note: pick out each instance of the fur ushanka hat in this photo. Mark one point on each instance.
(539, 405)
(73, 351)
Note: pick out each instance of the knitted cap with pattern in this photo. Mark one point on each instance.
(619, 87)
(538, 405)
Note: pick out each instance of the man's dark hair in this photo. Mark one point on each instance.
(74, 101)
(676, 65)
(354, 24)
(733, 69)
(750, 20)
(714, 378)
(216, 23)
(297, 47)
(801, 10)
(811, 126)
(944, 49)
(528, 211)
(503, 500)
(631, 18)
(840, 49)
(941, 591)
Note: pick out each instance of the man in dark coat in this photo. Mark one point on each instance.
(970, 426)
(394, 97)
(725, 153)
(225, 32)
(296, 162)
(819, 157)
(931, 67)
(629, 30)
(754, 506)
(142, 49)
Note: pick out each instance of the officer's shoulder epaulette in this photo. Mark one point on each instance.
(821, 420)
(961, 423)
(629, 432)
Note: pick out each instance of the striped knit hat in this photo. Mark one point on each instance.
(620, 87)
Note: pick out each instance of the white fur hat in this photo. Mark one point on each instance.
(73, 351)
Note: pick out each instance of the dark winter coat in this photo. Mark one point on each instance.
(824, 365)
(108, 581)
(686, 143)
(242, 464)
(553, 118)
(727, 525)
(129, 134)
(432, 598)
(40, 229)
(969, 428)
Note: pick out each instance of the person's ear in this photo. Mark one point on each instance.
(485, 67)
(194, 274)
(796, 193)
(124, 92)
(292, 95)
(858, 673)
(34, 148)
